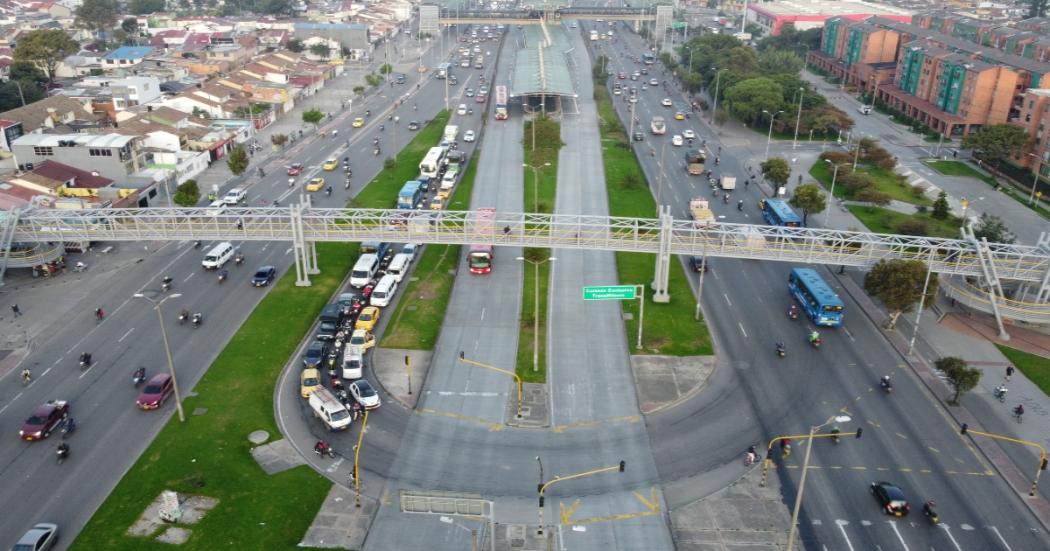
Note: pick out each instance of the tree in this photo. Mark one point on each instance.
(296, 45)
(1037, 8)
(45, 49)
(961, 376)
(385, 69)
(237, 160)
(279, 139)
(772, 62)
(750, 97)
(359, 90)
(26, 70)
(373, 79)
(274, 7)
(187, 194)
(997, 142)
(776, 170)
(11, 97)
(321, 50)
(810, 199)
(96, 16)
(993, 229)
(145, 7)
(898, 284)
(940, 206)
(313, 116)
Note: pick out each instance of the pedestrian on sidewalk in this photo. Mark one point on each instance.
(16, 310)
(1009, 371)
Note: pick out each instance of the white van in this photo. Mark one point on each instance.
(398, 266)
(218, 256)
(384, 291)
(353, 365)
(364, 270)
(216, 208)
(330, 410)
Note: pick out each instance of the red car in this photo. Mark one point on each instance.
(157, 390)
(623, 76)
(44, 420)
(295, 169)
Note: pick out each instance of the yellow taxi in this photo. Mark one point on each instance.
(330, 164)
(358, 122)
(679, 116)
(309, 381)
(437, 204)
(315, 184)
(443, 194)
(368, 318)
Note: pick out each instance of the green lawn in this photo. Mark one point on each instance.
(1036, 368)
(959, 168)
(881, 220)
(538, 197)
(431, 283)
(669, 328)
(885, 181)
(209, 454)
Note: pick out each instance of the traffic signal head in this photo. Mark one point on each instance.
(964, 428)
(859, 431)
(623, 465)
(1042, 466)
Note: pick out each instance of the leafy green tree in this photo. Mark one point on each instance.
(961, 376)
(809, 199)
(598, 69)
(373, 79)
(11, 97)
(941, 210)
(993, 229)
(273, 7)
(776, 170)
(26, 70)
(187, 194)
(45, 49)
(321, 50)
(313, 116)
(997, 142)
(96, 16)
(789, 38)
(145, 7)
(359, 90)
(296, 45)
(385, 69)
(772, 62)
(750, 97)
(237, 160)
(898, 284)
(130, 25)
(874, 197)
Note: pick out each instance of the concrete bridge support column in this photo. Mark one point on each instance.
(995, 290)
(663, 257)
(302, 263)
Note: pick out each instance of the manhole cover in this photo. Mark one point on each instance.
(258, 437)
(200, 411)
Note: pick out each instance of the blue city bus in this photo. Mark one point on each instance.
(648, 58)
(410, 195)
(818, 301)
(777, 212)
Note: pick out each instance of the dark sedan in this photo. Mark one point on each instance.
(891, 498)
(264, 276)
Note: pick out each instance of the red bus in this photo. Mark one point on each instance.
(479, 257)
(501, 103)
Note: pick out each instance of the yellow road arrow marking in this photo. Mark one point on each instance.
(566, 514)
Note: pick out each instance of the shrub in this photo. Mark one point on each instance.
(874, 197)
(918, 190)
(837, 157)
(921, 209)
(856, 181)
(913, 226)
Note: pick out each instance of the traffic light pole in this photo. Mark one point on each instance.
(556, 479)
(965, 429)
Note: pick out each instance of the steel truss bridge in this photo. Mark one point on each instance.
(664, 236)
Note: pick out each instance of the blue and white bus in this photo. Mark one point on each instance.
(410, 195)
(816, 298)
(777, 212)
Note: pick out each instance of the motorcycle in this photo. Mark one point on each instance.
(85, 360)
(291, 182)
(328, 191)
(887, 386)
(347, 186)
(325, 451)
(184, 316)
(62, 452)
(222, 276)
(781, 350)
(930, 511)
(197, 319)
(68, 426)
(793, 313)
(139, 376)
(740, 205)
(375, 152)
(815, 342)
(238, 259)
(165, 284)
(79, 267)
(1000, 393)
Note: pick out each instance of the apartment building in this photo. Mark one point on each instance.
(1035, 118)
(952, 85)
(113, 156)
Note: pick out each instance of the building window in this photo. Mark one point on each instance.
(43, 151)
(100, 152)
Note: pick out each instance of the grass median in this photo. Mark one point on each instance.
(670, 328)
(416, 323)
(886, 181)
(209, 453)
(540, 191)
(879, 220)
(381, 192)
(1035, 368)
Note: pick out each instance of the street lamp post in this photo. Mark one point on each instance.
(536, 311)
(718, 77)
(802, 480)
(798, 118)
(831, 195)
(167, 349)
(1035, 181)
(769, 137)
(660, 180)
(540, 485)
(536, 182)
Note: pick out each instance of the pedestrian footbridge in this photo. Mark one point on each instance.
(665, 236)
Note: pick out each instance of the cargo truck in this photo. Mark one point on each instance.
(694, 162)
(701, 212)
(728, 182)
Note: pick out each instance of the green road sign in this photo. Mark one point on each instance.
(610, 292)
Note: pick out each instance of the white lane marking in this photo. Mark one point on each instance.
(898, 532)
(465, 393)
(288, 251)
(994, 529)
(741, 326)
(842, 528)
(57, 362)
(848, 334)
(46, 371)
(727, 299)
(189, 277)
(130, 331)
(482, 314)
(949, 532)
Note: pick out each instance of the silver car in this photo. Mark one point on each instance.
(40, 537)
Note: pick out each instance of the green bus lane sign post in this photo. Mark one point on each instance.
(620, 292)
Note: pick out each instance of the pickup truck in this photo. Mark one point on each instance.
(701, 211)
(657, 125)
(694, 162)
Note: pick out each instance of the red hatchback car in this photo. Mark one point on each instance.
(45, 419)
(157, 390)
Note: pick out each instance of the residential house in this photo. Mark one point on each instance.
(55, 179)
(1035, 119)
(53, 113)
(126, 56)
(112, 155)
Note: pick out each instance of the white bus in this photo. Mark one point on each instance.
(431, 163)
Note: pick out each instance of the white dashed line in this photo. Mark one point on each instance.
(130, 331)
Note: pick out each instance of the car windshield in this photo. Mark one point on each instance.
(36, 420)
(357, 340)
(365, 316)
(310, 381)
(340, 414)
(260, 274)
(365, 389)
